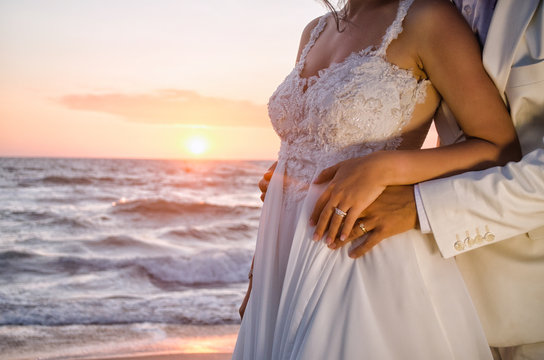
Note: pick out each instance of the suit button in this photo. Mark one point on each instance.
(488, 236)
(459, 245)
(468, 240)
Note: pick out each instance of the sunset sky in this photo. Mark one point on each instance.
(142, 78)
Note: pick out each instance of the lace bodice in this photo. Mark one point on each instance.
(349, 109)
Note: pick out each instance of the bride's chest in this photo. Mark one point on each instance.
(360, 100)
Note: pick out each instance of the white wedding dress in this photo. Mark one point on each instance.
(400, 301)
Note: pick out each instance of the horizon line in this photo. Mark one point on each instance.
(122, 158)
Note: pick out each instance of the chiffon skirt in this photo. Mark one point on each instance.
(400, 301)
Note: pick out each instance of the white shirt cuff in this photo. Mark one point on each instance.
(421, 214)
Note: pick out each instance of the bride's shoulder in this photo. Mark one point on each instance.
(307, 33)
(311, 25)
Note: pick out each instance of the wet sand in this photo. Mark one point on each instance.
(184, 356)
(118, 342)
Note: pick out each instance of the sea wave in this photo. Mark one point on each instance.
(52, 180)
(119, 242)
(170, 207)
(207, 267)
(28, 214)
(214, 232)
(211, 307)
(85, 239)
(15, 255)
(68, 180)
(46, 218)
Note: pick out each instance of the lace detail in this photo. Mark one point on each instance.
(350, 109)
(316, 31)
(395, 28)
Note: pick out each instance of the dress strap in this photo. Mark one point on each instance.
(395, 28)
(316, 31)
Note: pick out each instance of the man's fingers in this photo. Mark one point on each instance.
(327, 174)
(374, 238)
(355, 233)
(364, 226)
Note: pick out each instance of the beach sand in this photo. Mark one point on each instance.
(181, 356)
(119, 342)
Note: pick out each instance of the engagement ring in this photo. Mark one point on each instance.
(340, 212)
(362, 226)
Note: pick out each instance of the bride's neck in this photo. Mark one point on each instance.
(355, 7)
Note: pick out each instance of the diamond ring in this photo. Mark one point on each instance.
(337, 211)
(362, 226)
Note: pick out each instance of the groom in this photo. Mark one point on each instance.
(505, 278)
(470, 214)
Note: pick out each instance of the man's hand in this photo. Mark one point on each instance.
(393, 212)
(353, 185)
(265, 180)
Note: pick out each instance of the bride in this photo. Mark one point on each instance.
(366, 84)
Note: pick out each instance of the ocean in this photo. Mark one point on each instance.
(143, 249)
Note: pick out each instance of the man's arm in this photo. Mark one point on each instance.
(496, 203)
(474, 209)
(508, 200)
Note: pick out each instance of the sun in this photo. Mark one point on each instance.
(197, 145)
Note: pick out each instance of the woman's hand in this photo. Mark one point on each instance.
(354, 185)
(392, 213)
(242, 308)
(265, 180)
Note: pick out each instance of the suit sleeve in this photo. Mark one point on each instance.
(479, 208)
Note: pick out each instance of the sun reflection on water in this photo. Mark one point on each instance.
(210, 344)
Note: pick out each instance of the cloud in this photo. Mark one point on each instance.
(172, 106)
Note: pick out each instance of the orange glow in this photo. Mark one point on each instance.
(147, 86)
(210, 344)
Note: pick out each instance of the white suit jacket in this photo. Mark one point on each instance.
(471, 214)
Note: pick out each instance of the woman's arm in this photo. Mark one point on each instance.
(450, 56)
